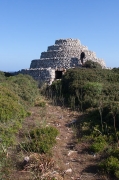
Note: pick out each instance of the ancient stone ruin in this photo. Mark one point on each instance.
(63, 55)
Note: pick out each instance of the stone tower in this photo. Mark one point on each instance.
(63, 55)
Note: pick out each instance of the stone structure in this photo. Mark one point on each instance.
(65, 54)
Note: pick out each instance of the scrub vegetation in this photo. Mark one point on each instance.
(90, 91)
(17, 95)
(94, 92)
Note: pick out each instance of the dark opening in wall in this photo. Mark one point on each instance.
(82, 56)
(58, 74)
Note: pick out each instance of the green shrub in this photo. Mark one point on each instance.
(92, 64)
(110, 165)
(25, 86)
(41, 140)
(6, 166)
(89, 87)
(2, 77)
(10, 108)
(99, 144)
(116, 173)
(16, 94)
(115, 153)
(116, 70)
(93, 87)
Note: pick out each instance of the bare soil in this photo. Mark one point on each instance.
(72, 159)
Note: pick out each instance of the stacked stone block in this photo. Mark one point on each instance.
(40, 74)
(64, 54)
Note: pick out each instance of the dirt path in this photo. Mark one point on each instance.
(71, 159)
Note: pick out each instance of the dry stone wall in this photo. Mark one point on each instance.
(59, 63)
(64, 54)
(40, 74)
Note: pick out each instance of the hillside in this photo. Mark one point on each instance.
(70, 133)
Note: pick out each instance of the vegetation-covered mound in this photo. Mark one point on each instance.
(95, 92)
(85, 87)
(16, 94)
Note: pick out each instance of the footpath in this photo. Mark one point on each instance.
(71, 158)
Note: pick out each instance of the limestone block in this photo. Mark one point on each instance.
(64, 54)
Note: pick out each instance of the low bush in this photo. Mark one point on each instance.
(11, 116)
(115, 153)
(10, 108)
(92, 64)
(99, 144)
(110, 166)
(2, 77)
(6, 166)
(41, 140)
(87, 87)
(25, 87)
(17, 93)
(95, 92)
(40, 102)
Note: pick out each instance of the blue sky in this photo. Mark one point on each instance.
(28, 27)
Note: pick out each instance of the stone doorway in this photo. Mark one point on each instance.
(82, 56)
(58, 74)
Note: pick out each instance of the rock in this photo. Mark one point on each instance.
(67, 163)
(58, 138)
(26, 159)
(71, 152)
(94, 155)
(25, 162)
(68, 170)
